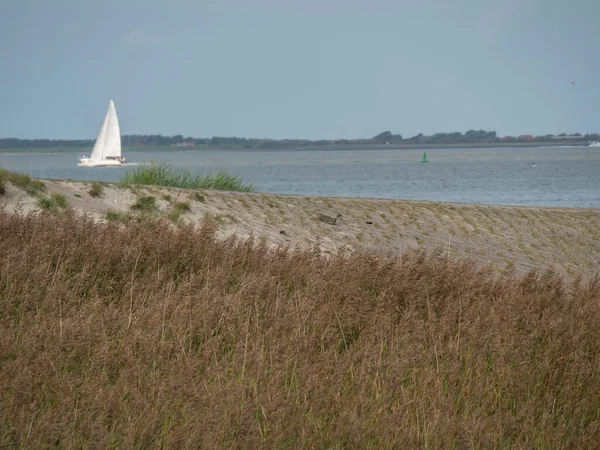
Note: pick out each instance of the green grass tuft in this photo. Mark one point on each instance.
(96, 190)
(57, 201)
(174, 216)
(60, 200)
(182, 206)
(46, 203)
(161, 174)
(113, 216)
(146, 203)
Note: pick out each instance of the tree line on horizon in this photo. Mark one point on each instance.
(384, 138)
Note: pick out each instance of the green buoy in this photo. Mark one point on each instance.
(424, 160)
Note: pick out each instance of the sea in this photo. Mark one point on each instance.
(528, 176)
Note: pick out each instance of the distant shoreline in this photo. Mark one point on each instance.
(433, 146)
(310, 147)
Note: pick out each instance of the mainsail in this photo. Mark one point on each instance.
(108, 143)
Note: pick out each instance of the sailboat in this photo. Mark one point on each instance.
(107, 149)
(424, 160)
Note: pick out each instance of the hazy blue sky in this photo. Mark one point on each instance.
(299, 69)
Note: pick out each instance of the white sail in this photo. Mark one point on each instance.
(108, 143)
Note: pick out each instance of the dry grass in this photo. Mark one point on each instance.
(147, 335)
(506, 236)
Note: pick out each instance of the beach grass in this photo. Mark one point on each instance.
(141, 335)
(21, 180)
(112, 216)
(182, 206)
(60, 200)
(55, 202)
(96, 189)
(146, 204)
(162, 174)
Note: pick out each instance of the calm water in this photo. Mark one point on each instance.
(560, 177)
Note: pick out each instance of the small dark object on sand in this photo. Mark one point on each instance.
(328, 219)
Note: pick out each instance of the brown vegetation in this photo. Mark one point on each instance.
(506, 236)
(148, 335)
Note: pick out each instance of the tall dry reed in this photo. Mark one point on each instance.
(146, 336)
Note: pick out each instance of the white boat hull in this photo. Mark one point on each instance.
(86, 162)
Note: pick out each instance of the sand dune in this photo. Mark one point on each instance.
(505, 236)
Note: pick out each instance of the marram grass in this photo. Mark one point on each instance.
(161, 174)
(21, 180)
(143, 335)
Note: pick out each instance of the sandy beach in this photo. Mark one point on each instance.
(504, 236)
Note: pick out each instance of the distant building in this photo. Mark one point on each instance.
(526, 137)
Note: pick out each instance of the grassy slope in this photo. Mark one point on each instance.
(149, 335)
(523, 237)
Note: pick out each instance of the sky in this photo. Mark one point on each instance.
(311, 69)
